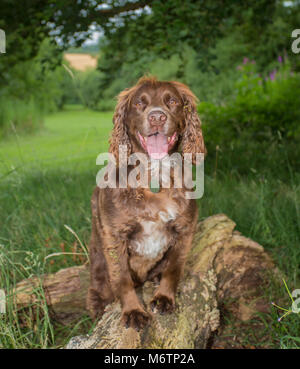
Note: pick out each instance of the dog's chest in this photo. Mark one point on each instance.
(154, 236)
(151, 242)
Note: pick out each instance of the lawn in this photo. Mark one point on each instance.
(46, 181)
(68, 138)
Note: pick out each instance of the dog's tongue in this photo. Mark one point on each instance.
(157, 146)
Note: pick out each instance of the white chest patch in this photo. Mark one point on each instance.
(155, 237)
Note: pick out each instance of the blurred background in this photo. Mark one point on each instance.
(64, 64)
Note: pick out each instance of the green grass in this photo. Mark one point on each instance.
(70, 138)
(26, 116)
(46, 181)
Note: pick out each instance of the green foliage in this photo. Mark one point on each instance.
(92, 49)
(19, 115)
(34, 89)
(264, 27)
(194, 42)
(260, 108)
(134, 48)
(209, 40)
(90, 86)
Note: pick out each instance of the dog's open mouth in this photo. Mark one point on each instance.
(157, 145)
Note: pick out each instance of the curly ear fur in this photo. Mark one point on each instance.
(119, 134)
(192, 138)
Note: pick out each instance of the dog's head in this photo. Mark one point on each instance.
(156, 117)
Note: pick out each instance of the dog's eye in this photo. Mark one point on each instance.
(138, 104)
(172, 102)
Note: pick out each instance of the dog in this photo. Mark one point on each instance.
(137, 234)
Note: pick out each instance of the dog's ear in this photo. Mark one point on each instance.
(192, 138)
(119, 134)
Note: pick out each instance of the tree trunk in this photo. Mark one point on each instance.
(222, 264)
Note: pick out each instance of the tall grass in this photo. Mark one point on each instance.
(31, 229)
(258, 186)
(20, 115)
(31, 327)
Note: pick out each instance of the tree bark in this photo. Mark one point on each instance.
(222, 265)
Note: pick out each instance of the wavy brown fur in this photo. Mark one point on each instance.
(121, 218)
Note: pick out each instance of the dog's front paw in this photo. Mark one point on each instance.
(162, 303)
(135, 318)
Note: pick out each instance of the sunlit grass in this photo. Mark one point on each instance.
(71, 138)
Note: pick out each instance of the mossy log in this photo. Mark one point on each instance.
(222, 264)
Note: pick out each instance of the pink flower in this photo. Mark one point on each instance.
(280, 59)
(245, 60)
(272, 75)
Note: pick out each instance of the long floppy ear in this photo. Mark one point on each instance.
(192, 138)
(119, 134)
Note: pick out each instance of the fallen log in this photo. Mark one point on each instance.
(222, 264)
(64, 293)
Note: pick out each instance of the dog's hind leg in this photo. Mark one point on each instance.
(100, 292)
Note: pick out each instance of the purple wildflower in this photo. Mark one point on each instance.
(245, 60)
(272, 75)
(280, 59)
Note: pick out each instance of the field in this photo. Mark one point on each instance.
(81, 61)
(46, 181)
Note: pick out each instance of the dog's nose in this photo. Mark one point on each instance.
(157, 118)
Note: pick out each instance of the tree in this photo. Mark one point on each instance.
(156, 24)
(134, 28)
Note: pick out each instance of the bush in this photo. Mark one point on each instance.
(33, 90)
(262, 108)
(106, 105)
(90, 87)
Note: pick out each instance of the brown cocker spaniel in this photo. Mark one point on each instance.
(139, 235)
